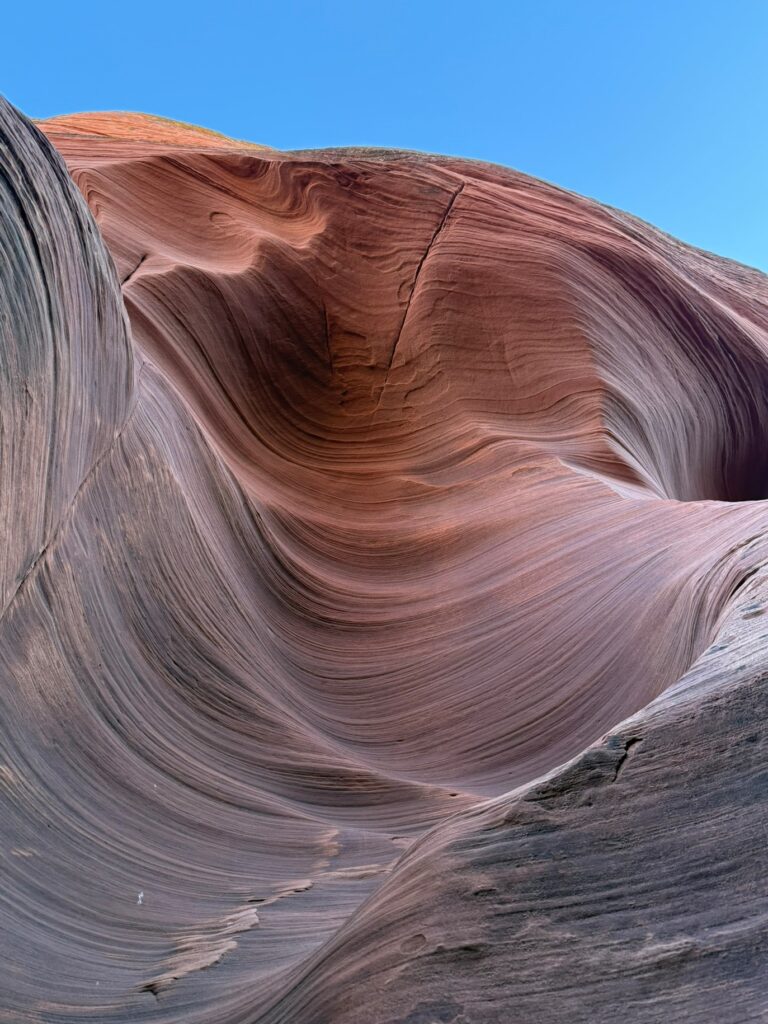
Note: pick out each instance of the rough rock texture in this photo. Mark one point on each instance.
(383, 633)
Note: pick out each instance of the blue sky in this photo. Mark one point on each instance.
(660, 108)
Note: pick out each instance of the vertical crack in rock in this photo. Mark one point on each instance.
(419, 267)
(630, 745)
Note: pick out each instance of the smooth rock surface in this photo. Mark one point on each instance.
(383, 633)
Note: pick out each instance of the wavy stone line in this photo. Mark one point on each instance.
(302, 711)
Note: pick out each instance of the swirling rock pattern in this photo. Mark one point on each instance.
(382, 634)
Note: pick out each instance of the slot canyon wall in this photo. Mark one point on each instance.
(383, 586)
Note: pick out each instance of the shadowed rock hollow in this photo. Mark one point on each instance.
(382, 576)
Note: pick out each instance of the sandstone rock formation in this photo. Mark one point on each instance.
(382, 634)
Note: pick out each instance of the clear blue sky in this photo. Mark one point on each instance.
(660, 108)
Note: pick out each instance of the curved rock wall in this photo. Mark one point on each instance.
(409, 480)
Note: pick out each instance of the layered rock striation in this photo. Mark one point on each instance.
(383, 587)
